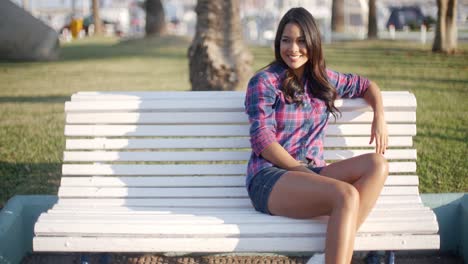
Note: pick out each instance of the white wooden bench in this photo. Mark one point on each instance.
(164, 172)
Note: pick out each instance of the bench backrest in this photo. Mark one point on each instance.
(189, 149)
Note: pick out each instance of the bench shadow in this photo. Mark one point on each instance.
(34, 99)
(30, 178)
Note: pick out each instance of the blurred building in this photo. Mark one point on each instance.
(259, 17)
(59, 13)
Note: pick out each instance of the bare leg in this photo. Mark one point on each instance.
(309, 195)
(367, 173)
(347, 193)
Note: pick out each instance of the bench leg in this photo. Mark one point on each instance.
(390, 257)
(84, 259)
(104, 259)
(372, 258)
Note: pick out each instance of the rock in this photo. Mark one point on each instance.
(24, 37)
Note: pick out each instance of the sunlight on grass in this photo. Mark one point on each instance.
(32, 97)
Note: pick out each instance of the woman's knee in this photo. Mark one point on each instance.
(347, 196)
(379, 164)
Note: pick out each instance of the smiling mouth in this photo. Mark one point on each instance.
(294, 56)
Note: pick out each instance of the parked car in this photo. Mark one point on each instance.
(410, 17)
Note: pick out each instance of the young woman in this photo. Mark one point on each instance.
(289, 104)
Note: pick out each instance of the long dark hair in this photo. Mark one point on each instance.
(315, 68)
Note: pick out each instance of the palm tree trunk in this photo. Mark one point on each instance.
(338, 21)
(97, 18)
(219, 60)
(372, 24)
(155, 18)
(446, 30)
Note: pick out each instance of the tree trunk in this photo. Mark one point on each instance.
(372, 24)
(97, 18)
(446, 31)
(219, 60)
(155, 18)
(338, 23)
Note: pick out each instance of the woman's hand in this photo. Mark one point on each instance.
(379, 133)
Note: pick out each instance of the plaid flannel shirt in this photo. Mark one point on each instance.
(299, 129)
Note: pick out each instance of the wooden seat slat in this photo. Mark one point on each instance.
(214, 143)
(315, 227)
(179, 192)
(252, 245)
(390, 103)
(216, 130)
(214, 218)
(194, 181)
(203, 202)
(179, 95)
(101, 156)
(185, 169)
(216, 118)
(161, 210)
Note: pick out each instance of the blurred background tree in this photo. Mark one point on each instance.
(219, 60)
(97, 18)
(446, 30)
(338, 16)
(155, 18)
(372, 29)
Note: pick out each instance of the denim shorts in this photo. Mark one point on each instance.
(262, 184)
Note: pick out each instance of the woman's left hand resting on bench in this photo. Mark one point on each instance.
(379, 132)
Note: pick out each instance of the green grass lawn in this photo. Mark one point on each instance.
(32, 97)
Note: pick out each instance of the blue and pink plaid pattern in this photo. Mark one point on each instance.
(299, 129)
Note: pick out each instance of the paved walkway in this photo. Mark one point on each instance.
(214, 259)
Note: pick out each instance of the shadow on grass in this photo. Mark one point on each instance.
(34, 99)
(28, 178)
(168, 47)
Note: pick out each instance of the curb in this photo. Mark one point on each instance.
(17, 220)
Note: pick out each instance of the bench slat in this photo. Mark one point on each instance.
(105, 211)
(315, 227)
(217, 130)
(286, 244)
(222, 143)
(132, 95)
(86, 156)
(181, 95)
(200, 192)
(253, 217)
(187, 181)
(216, 118)
(186, 169)
(390, 103)
(201, 202)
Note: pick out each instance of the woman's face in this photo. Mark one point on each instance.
(293, 48)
